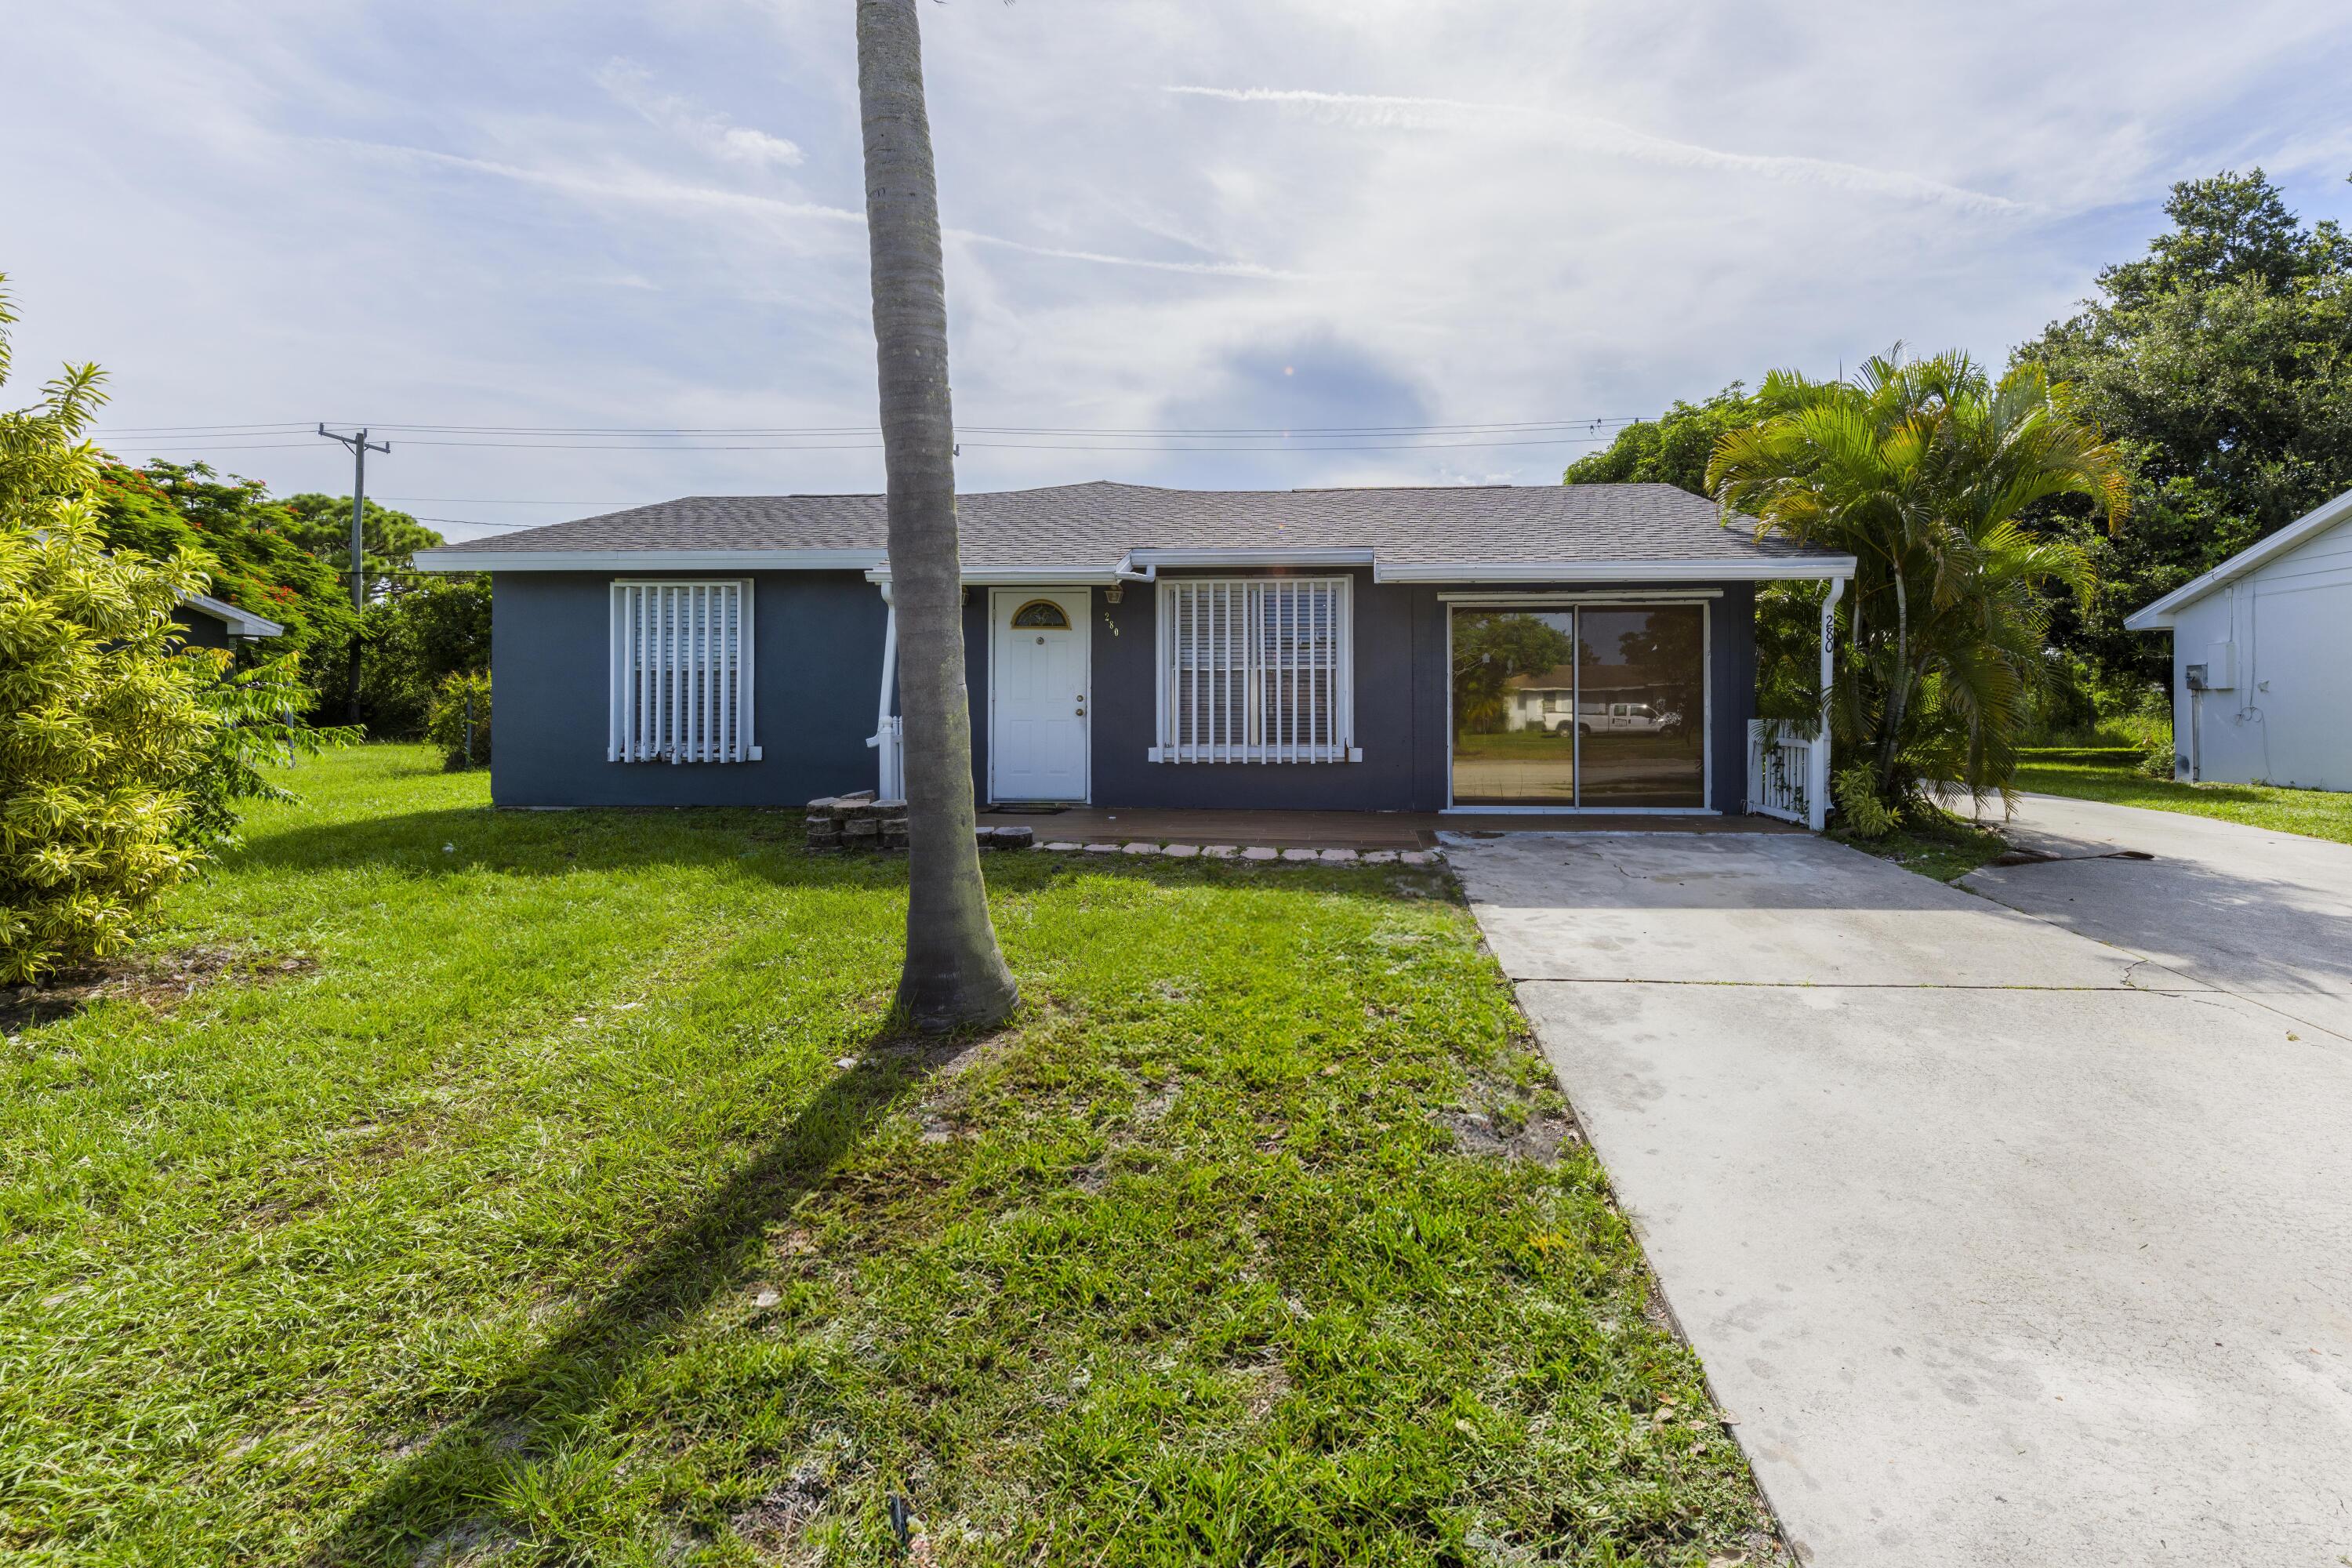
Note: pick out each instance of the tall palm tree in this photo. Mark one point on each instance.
(954, 975)
(1924, 470)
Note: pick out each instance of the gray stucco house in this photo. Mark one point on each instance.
(1555, 647)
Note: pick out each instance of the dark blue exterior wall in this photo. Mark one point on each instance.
(816, 642)
(198, 629)
(1402, 678)
(818, 639)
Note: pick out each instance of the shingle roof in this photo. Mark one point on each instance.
(1096, 524)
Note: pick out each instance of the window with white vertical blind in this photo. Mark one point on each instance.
(681, 673)
(1255, 669)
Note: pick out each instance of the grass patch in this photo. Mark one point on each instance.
(1946, 848)
(2081, 756)
(2319, 814)
(561, 1197)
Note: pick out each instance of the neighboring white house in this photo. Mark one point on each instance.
(2262, 658)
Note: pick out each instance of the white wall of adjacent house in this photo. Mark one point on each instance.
(2274, 655)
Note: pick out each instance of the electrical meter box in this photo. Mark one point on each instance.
(2221, 668)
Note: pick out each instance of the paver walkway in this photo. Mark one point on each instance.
(1358, 830)
(2001, 1245)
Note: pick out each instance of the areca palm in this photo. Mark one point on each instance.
(1926, 471)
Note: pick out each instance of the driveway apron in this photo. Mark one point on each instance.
(2001, 1245)
(2265, 914)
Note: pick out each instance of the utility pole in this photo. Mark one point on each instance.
(360, 446)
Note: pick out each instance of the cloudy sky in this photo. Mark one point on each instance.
(1321, 216)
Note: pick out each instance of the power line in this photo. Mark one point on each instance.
(498, 501)
(1590, 424)
(1268, 445)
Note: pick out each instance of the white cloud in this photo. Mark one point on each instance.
(626, 186)
(1360, 110)
(639, 187)
(631, 85)
(1478, 211)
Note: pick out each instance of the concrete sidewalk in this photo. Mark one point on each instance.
(2000, 1244)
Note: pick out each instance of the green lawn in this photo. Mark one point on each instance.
(1947, 849)
(548, 1188)
(2321, 814)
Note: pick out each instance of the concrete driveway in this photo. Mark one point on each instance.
(2001, 1245)
(2266, 915)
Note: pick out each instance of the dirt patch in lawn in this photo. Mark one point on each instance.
(1540, 1136)
(159, 980)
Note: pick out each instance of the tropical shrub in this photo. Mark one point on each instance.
(121, 756)
(1923, 470)
(98, 720)
(460, 720)
(416, 636)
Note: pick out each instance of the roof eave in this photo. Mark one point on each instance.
(240, 623)
(876, 566)
(2159, 616)
(1808, 568)
(647, 559)
(1065, 574)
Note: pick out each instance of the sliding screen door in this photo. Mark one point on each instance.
(1601, 706)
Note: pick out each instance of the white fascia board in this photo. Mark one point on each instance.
(1047, 576)
(1335, 556)
(240, 623)
(647, 560)
(1585, 597)
(1810, 568)
(2158, 616)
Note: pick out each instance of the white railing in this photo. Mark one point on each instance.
(889, 741)
(1787, 770)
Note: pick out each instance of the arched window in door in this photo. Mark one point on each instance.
(1043, 613)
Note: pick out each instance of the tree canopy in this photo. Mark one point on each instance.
(321, 525)
(2220, 362)
(1674, 448)
(256, 563)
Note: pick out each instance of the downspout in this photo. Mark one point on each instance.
(2196, 758)
(1128, 571)
(1817, 781)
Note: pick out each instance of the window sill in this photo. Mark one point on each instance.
(751, 754)
(1172, 754)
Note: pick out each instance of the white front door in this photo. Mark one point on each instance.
(1037, 675)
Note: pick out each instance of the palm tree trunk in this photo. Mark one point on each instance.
(954, 976)
(1898, 695)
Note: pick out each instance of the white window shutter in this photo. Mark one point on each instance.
(681, 673)
(1255, 671)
